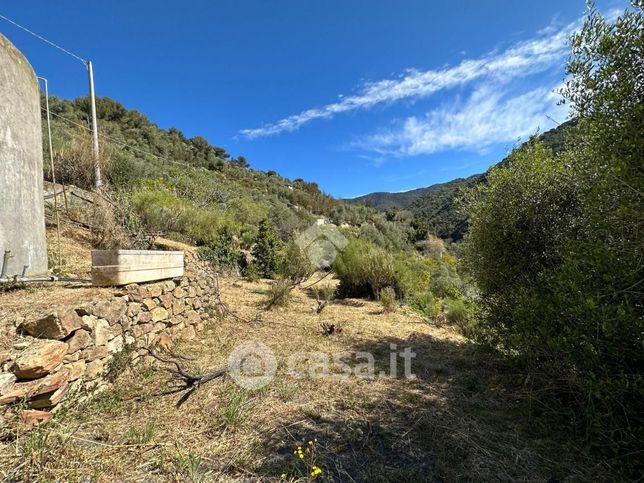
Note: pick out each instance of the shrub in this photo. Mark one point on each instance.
(295, 265)
(323, 292)
(457, 312)
(556, 246)
(364, 269)
(425, 304)
(265, 250)
(251, 273)
(222, 252)
(279, 294)
(387, 298)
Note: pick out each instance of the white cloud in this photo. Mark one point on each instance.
(522, 59)
(487, 117)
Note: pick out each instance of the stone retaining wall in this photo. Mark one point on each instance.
(72, 345)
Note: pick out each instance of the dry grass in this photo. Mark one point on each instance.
(452, 422)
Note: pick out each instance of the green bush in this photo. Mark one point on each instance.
(424, 303)
(295, 265)
(266, 250)
(556, 247)
(222, 252)
(364, 269)
(458, 313)
(387, 298)
(251, 273)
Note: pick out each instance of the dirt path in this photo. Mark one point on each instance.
(452, 422)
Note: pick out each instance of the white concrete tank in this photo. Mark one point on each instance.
(22, 215)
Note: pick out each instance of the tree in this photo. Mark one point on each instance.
(556, 244)
(265, 250)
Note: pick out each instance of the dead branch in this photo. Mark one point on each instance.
(181, 381)
(330, 329)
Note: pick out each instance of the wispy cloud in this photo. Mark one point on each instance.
(486, 118)
(548, 48)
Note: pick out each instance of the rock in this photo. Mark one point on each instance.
(136, 293)
(49, 399)
(149, 303)
(79, 341)
(159, 313)
(116, 330)
(133, 308)
(147, 328)
(56, 325)
(92, 353)
(101, 332)
(95, 369)
(166, 300)
(88, 322)
(154, 289)
(178, 307)
(144, 317)
(179, 293)
(39, 359)
(129, 340)
(21, 345)
(196, 303)
(76, 369)
(32, 389)
(33, 417)
(111, 310)
(192, 292)
(115, 345)
(168, 286)
(7, 380)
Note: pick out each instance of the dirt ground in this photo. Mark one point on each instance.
(455, 420)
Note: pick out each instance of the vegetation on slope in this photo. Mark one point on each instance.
(556, 248)
(436, 207)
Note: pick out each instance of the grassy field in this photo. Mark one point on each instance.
(456, 420)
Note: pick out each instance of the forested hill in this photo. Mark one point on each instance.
(435, 205)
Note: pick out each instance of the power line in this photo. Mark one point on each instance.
(62, 49)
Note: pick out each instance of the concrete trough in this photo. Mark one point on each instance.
(121, 267)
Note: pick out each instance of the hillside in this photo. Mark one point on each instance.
(435, 205)
(184, 187)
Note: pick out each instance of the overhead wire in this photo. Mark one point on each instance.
(40, 37)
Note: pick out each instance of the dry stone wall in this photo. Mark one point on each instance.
(70, 346)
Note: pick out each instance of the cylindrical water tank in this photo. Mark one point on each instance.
(22, 215)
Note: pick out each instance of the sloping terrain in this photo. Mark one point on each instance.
(455, 420)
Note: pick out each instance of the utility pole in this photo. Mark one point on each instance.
(92, 102)
(53, 171)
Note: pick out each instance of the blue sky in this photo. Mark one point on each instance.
(358, 96)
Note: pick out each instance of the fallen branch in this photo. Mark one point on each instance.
(183, 381)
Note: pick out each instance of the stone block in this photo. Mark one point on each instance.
(56, 325)
(79, 341)
(39, 359)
